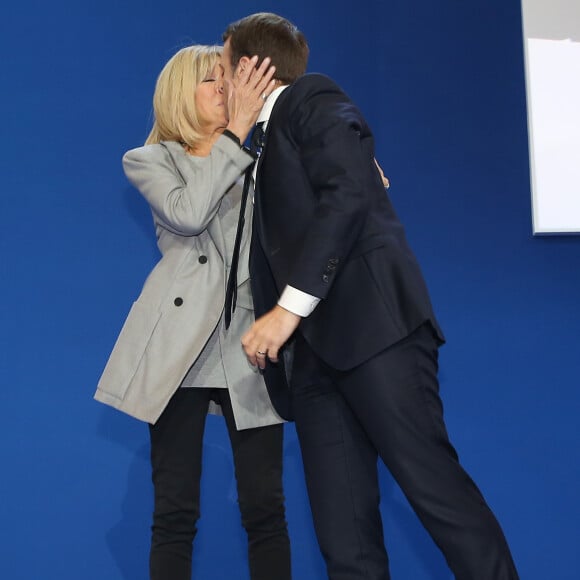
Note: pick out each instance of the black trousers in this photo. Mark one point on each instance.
(176, 448)
(390, 408)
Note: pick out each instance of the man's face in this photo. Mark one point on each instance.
(227, 61)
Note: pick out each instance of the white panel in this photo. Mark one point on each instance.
(552, 49)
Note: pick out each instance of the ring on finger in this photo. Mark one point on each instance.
(264, 96)
(260, 353)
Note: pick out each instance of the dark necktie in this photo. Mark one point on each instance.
(257, 142)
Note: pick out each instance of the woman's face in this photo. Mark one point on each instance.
(211, 101)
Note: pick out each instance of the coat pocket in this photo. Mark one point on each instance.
(129, 350)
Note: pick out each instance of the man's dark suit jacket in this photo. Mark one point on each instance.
(324, 225)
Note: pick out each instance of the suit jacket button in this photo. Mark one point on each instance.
(202, 259)
(178, 301)
(325, 278)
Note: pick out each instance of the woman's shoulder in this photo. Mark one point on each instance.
(152, 151)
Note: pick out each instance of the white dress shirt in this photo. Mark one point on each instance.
(292, 299)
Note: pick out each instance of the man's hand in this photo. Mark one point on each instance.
(267, 335)
(386, 183)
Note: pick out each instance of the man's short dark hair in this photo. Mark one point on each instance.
(266, 34)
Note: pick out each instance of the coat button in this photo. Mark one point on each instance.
(178, 301)
(325, 278)
(202, 259)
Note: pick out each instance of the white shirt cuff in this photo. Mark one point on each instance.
(298, 302)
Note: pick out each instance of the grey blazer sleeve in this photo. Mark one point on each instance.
(184, 191)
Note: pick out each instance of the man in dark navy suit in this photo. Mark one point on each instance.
(334, 279)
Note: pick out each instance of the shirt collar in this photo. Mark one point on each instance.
(266, 111)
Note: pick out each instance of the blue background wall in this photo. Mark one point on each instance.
(442, 84)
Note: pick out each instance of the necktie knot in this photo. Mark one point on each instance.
(258, 139)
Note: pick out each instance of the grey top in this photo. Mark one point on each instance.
(208, 369)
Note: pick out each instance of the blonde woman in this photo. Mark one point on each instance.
(174, 360)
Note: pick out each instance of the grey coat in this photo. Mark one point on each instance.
(182, 300)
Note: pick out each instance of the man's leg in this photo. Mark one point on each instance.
(340, 465)
(396, 398)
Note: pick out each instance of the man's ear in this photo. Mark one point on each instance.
(243, 63)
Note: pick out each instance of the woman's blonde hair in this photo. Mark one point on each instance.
(174, 108)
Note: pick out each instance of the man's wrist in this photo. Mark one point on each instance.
(298, 302)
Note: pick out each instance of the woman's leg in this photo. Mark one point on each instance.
(176, 445)
(258, 465)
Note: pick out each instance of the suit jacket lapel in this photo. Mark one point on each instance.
(270, 121)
